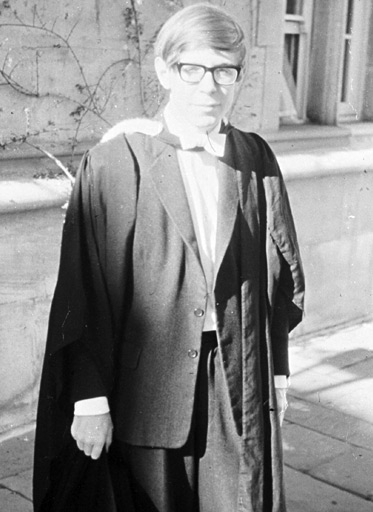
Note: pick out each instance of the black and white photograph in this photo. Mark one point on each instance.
(186, 256)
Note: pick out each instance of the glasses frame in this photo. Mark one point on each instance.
(212, 70)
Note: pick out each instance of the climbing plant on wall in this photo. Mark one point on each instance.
(69, 72)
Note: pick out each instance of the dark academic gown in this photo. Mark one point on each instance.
(130, 292)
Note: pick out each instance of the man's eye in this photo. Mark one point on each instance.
(192, 69)
(225, 72)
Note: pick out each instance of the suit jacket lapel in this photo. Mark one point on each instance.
(227, 210)
(164, 168)
(238, 186)
(160, 159)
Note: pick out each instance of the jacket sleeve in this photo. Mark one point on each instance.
(80, 309)
(84, 380)
(84, 303)
(282, 313)
(81, 323)
(285, 278)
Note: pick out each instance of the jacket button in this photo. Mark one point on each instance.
(199, 312)
(192, 354)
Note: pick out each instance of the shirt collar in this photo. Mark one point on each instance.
(213, 142)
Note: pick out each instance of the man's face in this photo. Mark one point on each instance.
(202, 104)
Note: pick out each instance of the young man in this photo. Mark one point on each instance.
(180, 279)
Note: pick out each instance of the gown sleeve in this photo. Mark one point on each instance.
(81, 326)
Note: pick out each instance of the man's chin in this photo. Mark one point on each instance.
(204, 122)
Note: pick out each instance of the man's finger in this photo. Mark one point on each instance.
(88, 448)
(73, 430)
(80, 445)
(109, 439)
(96, 450)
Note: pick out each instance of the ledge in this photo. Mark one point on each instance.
(305, 137)
(327, 162)
(22, 195)
(62, 150)
(303, 152)
(310, 151)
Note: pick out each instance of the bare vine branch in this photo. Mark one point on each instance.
(72, 30)
(54, 159)
(61, 38)
(95, 96)
(15, 85)
(137, 40)
(127, 62)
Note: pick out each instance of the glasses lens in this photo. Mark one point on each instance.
(225, 76)
(191, 73)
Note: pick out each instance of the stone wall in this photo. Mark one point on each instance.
(69, 70)
(331, 197)
(368, 99)
(72, 69)
(29, 246)
(31, 218)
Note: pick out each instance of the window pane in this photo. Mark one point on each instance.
(346, 66)
(294, 6)
(292, 53)
(349, 16)
(346, 70)
(293, 92)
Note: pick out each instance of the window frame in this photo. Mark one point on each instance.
(299, 24)
(326, 62)
(350, 109)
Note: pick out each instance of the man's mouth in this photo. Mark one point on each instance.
(207, 105)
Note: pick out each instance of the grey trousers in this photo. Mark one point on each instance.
(202, 476)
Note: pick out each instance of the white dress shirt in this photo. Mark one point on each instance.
(199, 171)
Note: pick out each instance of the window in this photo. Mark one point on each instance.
(338, 61)
(346, 66)
(298, 19)
(353, 61)
(317, 62)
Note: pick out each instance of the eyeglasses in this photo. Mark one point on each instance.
(223, 75)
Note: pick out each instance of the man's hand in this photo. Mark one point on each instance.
(282, 403)
(92, 433)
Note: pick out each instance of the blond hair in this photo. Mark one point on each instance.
(200, 26)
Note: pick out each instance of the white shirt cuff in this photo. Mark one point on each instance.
(282, 382)
(92, 406)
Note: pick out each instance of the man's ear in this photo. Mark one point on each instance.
(163, 72)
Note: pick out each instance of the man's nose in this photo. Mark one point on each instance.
(208, 83)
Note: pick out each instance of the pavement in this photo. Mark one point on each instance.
(328, 430)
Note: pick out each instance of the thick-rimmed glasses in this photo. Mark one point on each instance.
(222, 75)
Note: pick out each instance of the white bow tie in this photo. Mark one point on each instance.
(213, 143)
